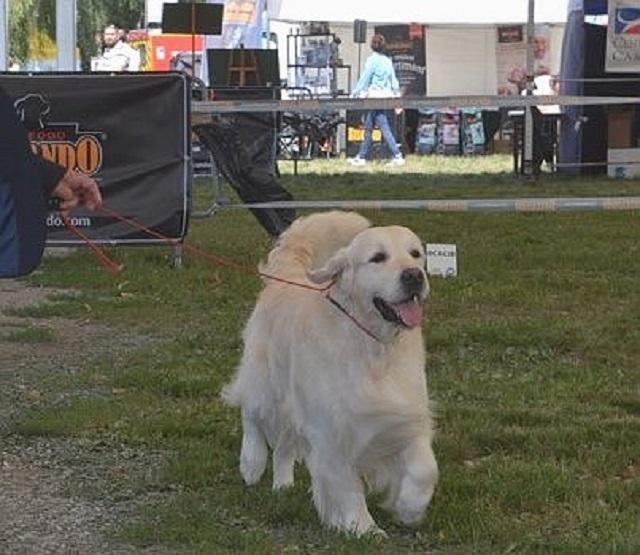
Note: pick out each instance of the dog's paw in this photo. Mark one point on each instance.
(251, 471)
(376, 532)
(366, 527)
(282, 485)
(282, 473)
(408, 514)
(410, 507)
(372, 532)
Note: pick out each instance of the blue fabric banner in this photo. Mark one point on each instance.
(242, 24)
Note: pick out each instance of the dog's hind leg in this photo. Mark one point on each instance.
(284, 458)
(254, 452)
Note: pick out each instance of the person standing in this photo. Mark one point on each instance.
(27, 182)
(117, 55)
(378, 80)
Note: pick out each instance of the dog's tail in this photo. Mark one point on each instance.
(312, 240)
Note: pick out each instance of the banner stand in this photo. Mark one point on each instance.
(131, 132)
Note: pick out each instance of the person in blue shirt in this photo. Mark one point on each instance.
(377, 81)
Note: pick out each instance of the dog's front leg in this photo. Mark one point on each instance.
(419, 474)
(338, 493)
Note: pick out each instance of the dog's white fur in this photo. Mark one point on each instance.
(315, 387)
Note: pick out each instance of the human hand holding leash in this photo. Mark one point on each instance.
(76, 189)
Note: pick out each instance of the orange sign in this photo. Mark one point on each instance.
(158, 51)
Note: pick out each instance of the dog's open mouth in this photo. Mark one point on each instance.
(408, 313)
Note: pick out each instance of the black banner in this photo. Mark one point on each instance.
(406, 46)
(355, 134)
(130, 132)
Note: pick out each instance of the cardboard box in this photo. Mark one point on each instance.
(623, 162)
(500, 146)
(620, 124)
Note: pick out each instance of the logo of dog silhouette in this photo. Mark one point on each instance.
(32, 110)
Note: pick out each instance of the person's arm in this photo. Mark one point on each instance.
(115, 58)
(394, 84)
(22, 198)
(365, 78)
(69, 187)
(119, 62)
(48, 173)
(76, 189)
(14, 146)
(134, 59)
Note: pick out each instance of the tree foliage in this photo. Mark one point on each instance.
(29, 19)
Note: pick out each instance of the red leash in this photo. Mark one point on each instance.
(115, 268)
(111, 265)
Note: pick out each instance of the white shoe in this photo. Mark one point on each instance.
(396, 161)
(356, 161)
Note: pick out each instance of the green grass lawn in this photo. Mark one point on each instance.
(533, 363)
(29, 335)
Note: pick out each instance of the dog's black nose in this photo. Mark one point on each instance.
(412, 280)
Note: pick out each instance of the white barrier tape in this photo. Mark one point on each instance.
(591, 164)
(566, 204)
(594, 164)
(601, 80)
(410, 103)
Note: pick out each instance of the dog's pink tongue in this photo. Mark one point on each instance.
(410, 312)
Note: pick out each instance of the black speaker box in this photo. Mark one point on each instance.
(200, 19)
(359, 31)
(266, 73)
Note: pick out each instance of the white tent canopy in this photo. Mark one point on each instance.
(431, 12)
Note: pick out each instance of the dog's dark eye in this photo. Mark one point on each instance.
(378, 257)
(415, 253)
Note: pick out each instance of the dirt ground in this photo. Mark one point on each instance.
(40, 510)
(22, 363)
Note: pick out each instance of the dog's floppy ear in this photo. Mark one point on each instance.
(332, 269)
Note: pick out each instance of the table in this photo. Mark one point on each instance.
(545, 139)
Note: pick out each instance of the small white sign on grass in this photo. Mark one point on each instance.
(442, 260)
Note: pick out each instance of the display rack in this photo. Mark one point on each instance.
(313, 64)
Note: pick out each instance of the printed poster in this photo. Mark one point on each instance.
(406, 46)
(511, 56)
(623, 36)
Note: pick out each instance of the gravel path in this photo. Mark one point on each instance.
(36, 516)
(41, 510)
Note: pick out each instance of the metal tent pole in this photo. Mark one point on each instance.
(193, 39)
(527, 162)
(4, 35)
(66, 34)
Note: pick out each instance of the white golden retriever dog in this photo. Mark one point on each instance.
(345, 393)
